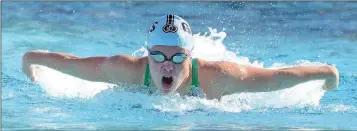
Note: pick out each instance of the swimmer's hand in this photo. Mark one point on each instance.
(29, 71)
(28, 67)
(331, 78)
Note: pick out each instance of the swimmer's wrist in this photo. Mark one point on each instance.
(32, 57)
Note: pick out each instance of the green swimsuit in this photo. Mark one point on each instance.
(193, 91)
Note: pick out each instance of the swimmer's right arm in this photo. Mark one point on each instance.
(114, 69)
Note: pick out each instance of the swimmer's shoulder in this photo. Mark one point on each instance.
(216, 76)
(125, 67)
(217, 65)
(126, 60)
(209, 71)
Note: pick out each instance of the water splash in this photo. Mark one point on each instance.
(57, 84)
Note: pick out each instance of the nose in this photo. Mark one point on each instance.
(168, 67)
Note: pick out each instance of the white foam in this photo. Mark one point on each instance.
(305, 94)
(340, 108)
(7, 96)
(58, 84)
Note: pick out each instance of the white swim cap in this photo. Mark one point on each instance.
(170, 30)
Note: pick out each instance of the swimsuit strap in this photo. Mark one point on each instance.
(147, 78)
(195, 81)
(194, 89)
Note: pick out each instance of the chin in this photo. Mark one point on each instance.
(167, 91)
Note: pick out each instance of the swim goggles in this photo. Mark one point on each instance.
(160, 57)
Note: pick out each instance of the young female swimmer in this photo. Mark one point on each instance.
(170, 68)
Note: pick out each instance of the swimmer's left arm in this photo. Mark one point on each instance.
(263, 80)
(307, 73)
(231, 77)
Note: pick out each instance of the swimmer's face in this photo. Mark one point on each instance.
(167, 75)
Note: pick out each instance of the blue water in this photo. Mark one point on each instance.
(262, 34)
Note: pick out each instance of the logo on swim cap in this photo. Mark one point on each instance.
(175, 32)
(169, 27)
(152, 28)
(186, 28)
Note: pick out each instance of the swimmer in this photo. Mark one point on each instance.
(169, 67)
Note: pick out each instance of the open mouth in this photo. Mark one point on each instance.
(167, 82)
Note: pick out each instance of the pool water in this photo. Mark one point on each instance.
(261, 34)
